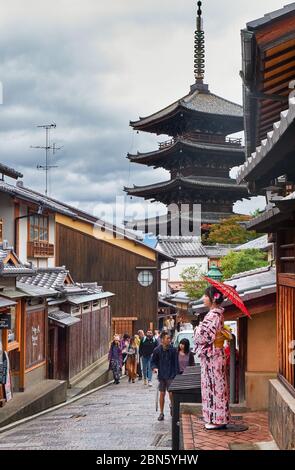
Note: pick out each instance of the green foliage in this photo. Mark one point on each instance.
(240, 261)
(193, 284)
(256, 213)
(230, 231)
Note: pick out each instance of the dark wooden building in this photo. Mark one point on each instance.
(50, 233)
(199, 154)
(124, 266)
(79, 323)
(25, 341)
(269, 74)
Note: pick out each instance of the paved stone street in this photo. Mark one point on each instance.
(116, 417)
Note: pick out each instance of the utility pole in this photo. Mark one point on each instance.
(47, 149)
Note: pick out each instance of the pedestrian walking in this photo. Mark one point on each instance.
(179, 324)
(115, 358)
(147, 346)
(185, 356)
(157, 337)
(170, 324)
(141, 335)
(131, 362)
(165, 364)
(124, 346)
(209, 339)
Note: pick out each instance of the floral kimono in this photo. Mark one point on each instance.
(214, 386)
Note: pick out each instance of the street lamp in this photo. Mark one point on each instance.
(214, 273)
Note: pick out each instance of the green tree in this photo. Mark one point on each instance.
(230, 231)
(193, 284)
(237, 262)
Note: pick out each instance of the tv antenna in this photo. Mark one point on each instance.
(47, 149)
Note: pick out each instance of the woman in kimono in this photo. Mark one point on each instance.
(209, 337)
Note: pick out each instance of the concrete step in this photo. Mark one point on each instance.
(96, 377)
(33, 400)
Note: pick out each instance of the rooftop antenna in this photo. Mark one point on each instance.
(47, 149)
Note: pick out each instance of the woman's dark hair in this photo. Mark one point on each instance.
(214, 295)
(186, 343)
(126, 336)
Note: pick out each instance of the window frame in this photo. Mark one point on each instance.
(145, 273)
(38, 227)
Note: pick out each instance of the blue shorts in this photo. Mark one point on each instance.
(164, 384)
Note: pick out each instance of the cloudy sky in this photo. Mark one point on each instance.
(90, 66)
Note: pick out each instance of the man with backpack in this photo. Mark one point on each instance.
(146, 348)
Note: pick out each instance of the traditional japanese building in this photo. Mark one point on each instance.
(268, 46)
(199, 154)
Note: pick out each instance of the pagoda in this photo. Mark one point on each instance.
(199, 154)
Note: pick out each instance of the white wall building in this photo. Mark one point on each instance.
(188, 251)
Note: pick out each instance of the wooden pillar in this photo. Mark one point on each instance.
(16, 222)
(243, 337)
(22, 364)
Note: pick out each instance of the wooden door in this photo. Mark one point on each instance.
(123, 325)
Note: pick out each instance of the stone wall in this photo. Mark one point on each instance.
(282, 415)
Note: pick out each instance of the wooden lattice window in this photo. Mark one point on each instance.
(38, 228)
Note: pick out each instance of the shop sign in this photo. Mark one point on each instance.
(5, 322)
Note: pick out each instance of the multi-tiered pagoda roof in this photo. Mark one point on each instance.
(199, 154)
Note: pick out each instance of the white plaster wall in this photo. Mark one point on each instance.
(7, 214)
(23, 233)
(173, 274)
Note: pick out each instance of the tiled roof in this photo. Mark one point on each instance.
(202, 182)
(180, 297)
(6, 303)
(11, 172)
(90, 297)
(218, 251)
(256, 158)
(63, 318)
(181, 246)
(59, 207)
(249, 284)
(260, 243)
(51, 281)
(38, 198)
(269, 17)
(50, 278)
(197, 101)
(8, 269)
(35, 291)
(216, 148)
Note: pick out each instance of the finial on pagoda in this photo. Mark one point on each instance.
(199, 54)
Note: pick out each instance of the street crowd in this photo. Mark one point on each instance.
(150, 352)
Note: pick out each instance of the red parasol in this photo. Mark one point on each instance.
(230, 293)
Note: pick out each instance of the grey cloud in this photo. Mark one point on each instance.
(91, 66)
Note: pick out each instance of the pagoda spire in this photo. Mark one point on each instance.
(199, 56)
